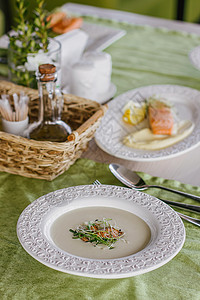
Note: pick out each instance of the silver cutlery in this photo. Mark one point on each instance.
(131, 179)
(185, 217)
(189, 219)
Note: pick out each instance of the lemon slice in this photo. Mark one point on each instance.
(134, 113)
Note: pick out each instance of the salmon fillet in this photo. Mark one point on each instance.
(60, 23)
(160, 118)
(67, 24)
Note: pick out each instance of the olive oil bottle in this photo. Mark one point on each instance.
(51, 127)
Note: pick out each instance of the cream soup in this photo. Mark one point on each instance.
(137, 232)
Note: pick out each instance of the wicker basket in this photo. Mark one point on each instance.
(47, 160)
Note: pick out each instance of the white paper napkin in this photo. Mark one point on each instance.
(73, 45)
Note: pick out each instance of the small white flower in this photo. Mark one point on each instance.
(18, 44)
(36, 59)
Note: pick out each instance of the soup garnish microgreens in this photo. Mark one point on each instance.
(98, 232)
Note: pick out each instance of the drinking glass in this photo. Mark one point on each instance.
(22, 67)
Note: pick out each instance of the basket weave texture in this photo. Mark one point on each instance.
(47, 160)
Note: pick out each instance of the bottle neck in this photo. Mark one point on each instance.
(49, 103)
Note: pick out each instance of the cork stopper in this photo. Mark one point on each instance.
(47, 71)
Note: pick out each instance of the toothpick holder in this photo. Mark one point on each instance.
(16, 128)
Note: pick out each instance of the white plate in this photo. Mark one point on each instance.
(100, 37)
(112, 129)
(101, 98)
(167, 231)
(194, 56)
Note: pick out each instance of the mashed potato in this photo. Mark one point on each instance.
(144, 139)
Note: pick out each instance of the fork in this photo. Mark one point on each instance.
(185, 217)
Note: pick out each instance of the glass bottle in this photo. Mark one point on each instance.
(51, 127)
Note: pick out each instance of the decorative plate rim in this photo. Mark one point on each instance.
(121, 151)
(168, 242)
(194, 56)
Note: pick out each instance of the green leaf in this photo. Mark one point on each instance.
(37, 22)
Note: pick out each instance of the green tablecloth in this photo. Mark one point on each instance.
(144, 56)
(22, 277)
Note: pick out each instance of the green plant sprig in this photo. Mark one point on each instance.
(28, 37)
(41, 24)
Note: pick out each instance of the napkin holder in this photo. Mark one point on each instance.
(47, 160)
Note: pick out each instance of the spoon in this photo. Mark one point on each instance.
(186, 218)
(132, 180)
